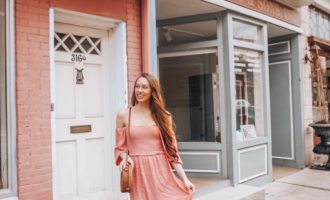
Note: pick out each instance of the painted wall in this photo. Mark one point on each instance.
(34, 154)
(33, 100)
(107, 8)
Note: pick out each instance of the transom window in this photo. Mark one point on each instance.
(68, 42)
(319, 23)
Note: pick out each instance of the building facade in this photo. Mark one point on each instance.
(234, 73)
(56, 121)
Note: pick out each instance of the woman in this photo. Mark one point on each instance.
(152, 146)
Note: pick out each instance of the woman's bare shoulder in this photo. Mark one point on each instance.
(122, 116)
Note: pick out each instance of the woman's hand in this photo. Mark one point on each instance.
(123, 162)
(189, 185)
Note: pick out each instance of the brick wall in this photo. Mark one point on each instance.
(33, 100)
(33, 91)
(134, 42)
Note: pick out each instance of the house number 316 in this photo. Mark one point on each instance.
(77, 57)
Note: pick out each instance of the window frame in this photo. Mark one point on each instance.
(11, 191)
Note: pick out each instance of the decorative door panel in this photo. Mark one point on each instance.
(82, 113)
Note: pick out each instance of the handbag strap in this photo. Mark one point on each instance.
(127, 134)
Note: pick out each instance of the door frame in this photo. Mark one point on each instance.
(118, 100)
(293, 41)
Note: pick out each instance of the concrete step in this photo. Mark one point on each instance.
(240, 192)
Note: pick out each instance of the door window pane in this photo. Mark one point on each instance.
(3, 102)
(246, 32)
(191, 91)
(249, 102)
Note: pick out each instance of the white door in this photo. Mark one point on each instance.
(83, 146)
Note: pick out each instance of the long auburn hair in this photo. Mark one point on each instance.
(159, 113)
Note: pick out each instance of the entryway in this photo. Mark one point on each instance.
(89, 86)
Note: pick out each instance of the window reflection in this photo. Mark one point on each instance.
(246, 32)
(191, 91)
(249, 102)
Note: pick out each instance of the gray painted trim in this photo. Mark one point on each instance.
(248, 45)
(188, 46)
(187, 19)
(153, 38)
(254, 142)
(187, 52)
(222, 96)
(254, 14)
(266, 99)
(254, 148)
(197, 146)
(227, 94)
(298, 99)
(267, 113)
(11, 101)
(280, 52)
(217, 155)
(291, 107)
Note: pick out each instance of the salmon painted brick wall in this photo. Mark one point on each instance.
(33, 100)
(134, 43)
(34, 154)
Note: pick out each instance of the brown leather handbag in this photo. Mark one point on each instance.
(126, 175)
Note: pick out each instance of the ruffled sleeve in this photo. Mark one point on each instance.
(120, 145)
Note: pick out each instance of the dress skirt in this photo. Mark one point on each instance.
(153, 178)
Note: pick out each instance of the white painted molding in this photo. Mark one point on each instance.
(209, 153)
(239, 163)
(291, 107)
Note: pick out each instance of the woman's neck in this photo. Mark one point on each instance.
(143, 106)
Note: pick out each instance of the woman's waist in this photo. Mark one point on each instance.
(146, 150)
(141, 153)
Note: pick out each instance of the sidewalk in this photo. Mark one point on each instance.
(307, 184)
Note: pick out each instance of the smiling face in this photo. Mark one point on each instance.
(142, 90)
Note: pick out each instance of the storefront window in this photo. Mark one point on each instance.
(249, 102)
(191, 90)
(319, 23)
(3, 102)
(187, 33)
(246, 32)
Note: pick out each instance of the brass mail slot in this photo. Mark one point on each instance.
(81, 129)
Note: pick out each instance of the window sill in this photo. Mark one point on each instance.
(252, 142)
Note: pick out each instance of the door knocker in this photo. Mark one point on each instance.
(79, 76)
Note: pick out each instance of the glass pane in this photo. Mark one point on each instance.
(186, 33)
(61, 35)
(78, 50)
(249, 101)
(86, 45)
(246, 32)
(3, 102)
(60, 48)
(193, 97)
(78, 37)
(69, 43)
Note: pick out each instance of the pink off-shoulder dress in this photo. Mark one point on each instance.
(153, 178)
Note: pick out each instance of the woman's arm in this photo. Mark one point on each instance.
(177, 165)
(121, 143)
(187, 183)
